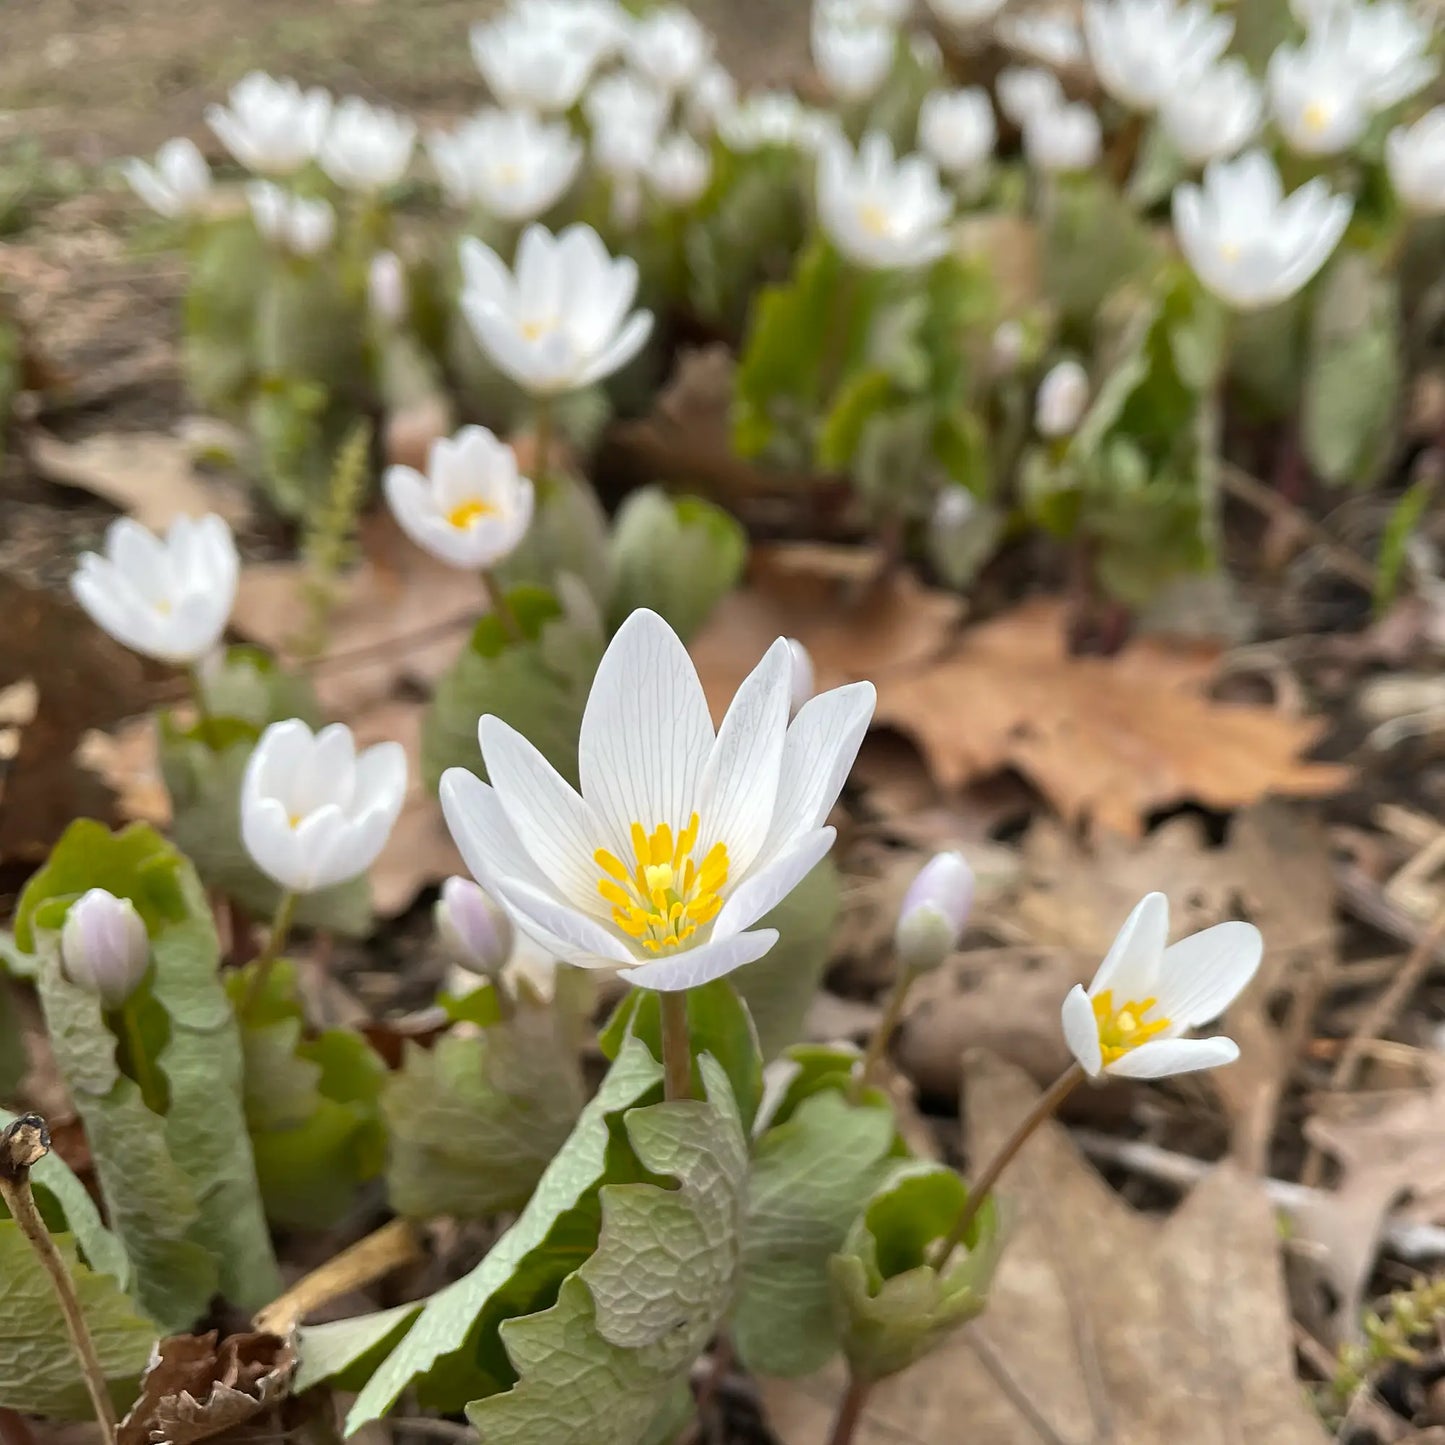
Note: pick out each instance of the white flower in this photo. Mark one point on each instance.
(1024, 91)
(670, 47)
(314, 813)
(710, 97)
(1006, 350)
(1063, 396)
(177, 185)
(966, 12)
(386, 287)
(881, 213)
(1316, 94)
(802, 675)
(532, 66)
(957, 128)
(511, 163)
(1145, 996)
(1416, 158)
(166, 598)
(598, 27)
(1388, 42)
(766, 118)
(1247, 242)
(679, 170)
(104, 947)
(471, 508)
(474, 928)
(270, 126)
(366, 148)
(1052, 37)
(559, 321)
(1213, 114)
(1065, 139)
(934, 912)
(852, 59)
(681, 838)
(1142, 49)
(294, 223)
(626, 115)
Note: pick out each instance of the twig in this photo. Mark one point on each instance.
(1010, 1388)
(1363, 898)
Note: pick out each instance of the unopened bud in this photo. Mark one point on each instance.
(934, 911)
(802, 674)
(386, 287)
(1009, 343)
(1063, 395)
(473, 927)
(104, 947)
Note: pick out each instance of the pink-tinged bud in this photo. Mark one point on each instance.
(802, 674)
(934, 911)
(473, 927)
(104, 947)
(386, 287)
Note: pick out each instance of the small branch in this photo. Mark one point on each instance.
(1010, 1388)
(676, 1046)
(882, 1034)
(850, 1411)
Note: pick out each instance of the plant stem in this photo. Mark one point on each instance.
(542, 438)
(850, 1410)
(203, 708)
(1043, 1109)
(501, 608)
(676, 1047)
(152, 1087)
(878, 1044)
(22, 1145)
(280, 931)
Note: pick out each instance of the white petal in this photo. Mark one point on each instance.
(483, 833)
(582, 938)
(767, 888)
(1131, 966)
(1161, 1057)
(1202, 975)
(1081, 1031)
(701, 965)
(271, 843)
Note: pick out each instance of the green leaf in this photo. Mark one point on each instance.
(346, 1352)
(1093, 240)
(251, 685)
(862, 397)
(38, 1370)
(568, 537)
(1402, 523)
(226, 264)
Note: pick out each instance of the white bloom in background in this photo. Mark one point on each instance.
(1310, 13)
(679, 169)
(559, 320)
(681, 838)
(1316, 96)
(1389, 43)
(1249, 243)
(167, 598)
(670, 47)
(295, 223)
(366, 147)
(1066, 139)
(531, 66)
(957, 128)
(964, 13)
(1130, 1019)
(1142, 49)
(314, 812)
(933, 913)
(1213, 114)
(1416, 158)
(626, 115)
(598, 27)
(104, 947)
(1050, 36)
(891, 13)
(765, 118)
(270, 126)
(853, 59)
(178, 184)
(386, 287)
(802, 675)
(1062, 399)
(1024, 91)
(709, 98)
(512, 163)
(470, 508)
(880, 212)
(474, 928)
(1005, 352)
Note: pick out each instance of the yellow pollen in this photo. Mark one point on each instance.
(1316, 116)
(462, 516)
(1229, 250)
(163, 607)
(295, 820)
(536, 330)
(663, 897)
(874, 219)
(1126, 1027)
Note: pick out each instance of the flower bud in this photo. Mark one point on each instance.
(802, 675)
(935, 908)
(1010, 341)
(386, 288)
(473, 928)
(104, 947)
(1062, 399)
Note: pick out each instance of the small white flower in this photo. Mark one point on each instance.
(965, 13)
(560, 320)
(532, 66)
(366, 148)
(1416, 158)
(295, 223)
(1005, 353)
(511, 163)
(1025, 91)
(891, 13)
(104, 947)
(1062, 399)
(314, 813)
(471, 508)
(1142, 49)
(1316, 95)
(852, 59)
(1066, 139)
(679, 170)
(598, 27)
(626, 115)
(270, 126)
(882, 213)
(1249, 243)
(168, 598)
(709, 98)
(1214, 114)
(763, 119)
(1389, 42)
(179, 183)
(934, 911)
(681, 838)
(802, 675)
(1052, 37)
(957, 128)
(474, 928)
(1145, 996)
(670, 47)
(386, 287)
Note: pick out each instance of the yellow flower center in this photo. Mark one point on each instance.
(1316, 116)
(873, 218)
(295, 820)
(536, 330)
(663, 897)
(463, 515)
(162, 607)
(1229, 250)
(1125, 1027)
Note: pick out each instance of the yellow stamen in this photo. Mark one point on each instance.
(536, 330)
(1315, 116)
(1125, 1027)
(873, 218)
(461, 517)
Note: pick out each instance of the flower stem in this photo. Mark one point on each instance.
(850, 1410)
(542, 438)
(261, 969)
(24, 1144)
(878, 1044)
(152, 1087)
(501, 608)
(982, 1187)
(203, 708)
(676, 1047)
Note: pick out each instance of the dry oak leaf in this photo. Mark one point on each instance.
(1106, 740)
(1104, 1325)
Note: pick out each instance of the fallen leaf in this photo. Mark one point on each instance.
(127, 761)
(1106, 740)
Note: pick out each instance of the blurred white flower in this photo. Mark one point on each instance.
(532, 66)
(626, 115)
(386, 287)
(1067, 138)
(514, 164)
(559, 320)
(1062, 400)
(295, 223)
(474, 928)
(1213, 114)
(964, 13)
(1145, 995)
(178, 184)
(365, 147)
(709, 98)
(681, 839)
(1052, 37)
(670, 47)
(1249, 243)
(802, 675)
(598, 27)
(1310, 13)
(765, 118)
(1005, 353)
(1024, 91)
(880, 212)
(934, 912)
(1142, 49)
(1316, 95)
(470, 508)
(314, 813)
(891, 13)
(1416, 158)
(167, 598)
(1389, 42)
(852, 59)
(957, 128)
(104, 947)
(679, 170)
(270, 126)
